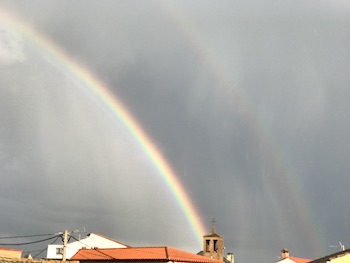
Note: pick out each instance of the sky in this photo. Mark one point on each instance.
(246, 101)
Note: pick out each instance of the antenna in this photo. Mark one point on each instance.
(84, 231)
(341, 246)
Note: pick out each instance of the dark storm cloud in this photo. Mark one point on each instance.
(288, 61)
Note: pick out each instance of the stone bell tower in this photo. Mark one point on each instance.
(213, 244)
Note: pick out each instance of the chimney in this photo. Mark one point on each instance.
(285, 253)
(230, 257)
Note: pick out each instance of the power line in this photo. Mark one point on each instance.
(95, 249)
(40, 251)
(27, 243)
(99, 250)
(79, 241)
(40, 235)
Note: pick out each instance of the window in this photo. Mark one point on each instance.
(215, 245)
(59, 250)
(207, 245)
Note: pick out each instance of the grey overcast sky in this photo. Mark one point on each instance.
(248, 101)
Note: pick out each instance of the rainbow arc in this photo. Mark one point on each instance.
(114, 105)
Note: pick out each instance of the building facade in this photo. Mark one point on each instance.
(213, 245)
(55, 251)
(10, 253)
(285, 258)
(339, 257)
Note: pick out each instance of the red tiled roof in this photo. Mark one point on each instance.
(300, 260)
(141, 254)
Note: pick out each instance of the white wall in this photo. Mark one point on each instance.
(91, 241)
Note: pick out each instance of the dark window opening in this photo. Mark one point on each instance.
(215, 245)
(207, 245)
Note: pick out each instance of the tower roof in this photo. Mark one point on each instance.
(213, 230)
(212, 235)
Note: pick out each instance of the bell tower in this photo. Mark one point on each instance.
(213, 244)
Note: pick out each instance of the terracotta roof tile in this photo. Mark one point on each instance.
(141, 254)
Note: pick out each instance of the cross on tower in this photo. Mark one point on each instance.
(213, 244)
(213, 230)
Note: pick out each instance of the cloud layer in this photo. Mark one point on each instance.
(247, 101)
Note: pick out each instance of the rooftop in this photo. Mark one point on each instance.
(332, 256)
(141, 254)
(300, 260)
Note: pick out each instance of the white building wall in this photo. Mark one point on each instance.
(92, 241)
(286, 260)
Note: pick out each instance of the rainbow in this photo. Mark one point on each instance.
(101, 91)
(283, 173)
(225, 85)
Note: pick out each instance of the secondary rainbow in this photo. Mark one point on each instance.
(225, 85)
(101, 91)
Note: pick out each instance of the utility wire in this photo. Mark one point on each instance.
(44, 248)
(40, 235)
(95, 249)
(27, 243)
(99, 250)
(31, 251)
(79, 241)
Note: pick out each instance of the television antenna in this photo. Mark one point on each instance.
(341, 246)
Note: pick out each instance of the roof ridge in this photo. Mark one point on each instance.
(143, 254)
(111, 239)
